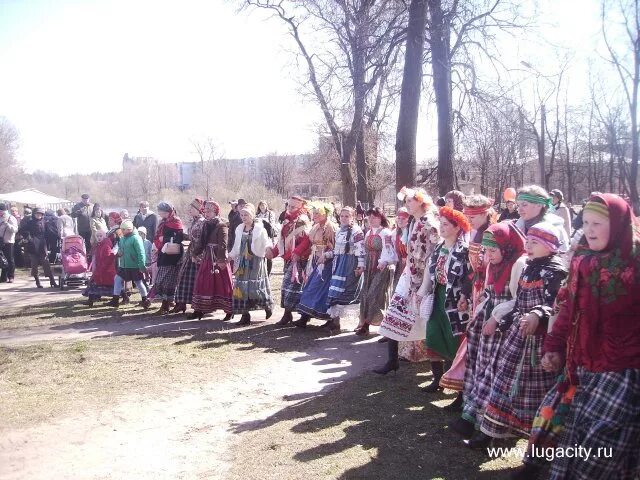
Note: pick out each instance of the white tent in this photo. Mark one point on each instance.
(35, 198)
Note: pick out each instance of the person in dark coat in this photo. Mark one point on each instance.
(82, 213)
(234, 220)
(52, 235)
(146, 218)
(33, 230)
(510, 212)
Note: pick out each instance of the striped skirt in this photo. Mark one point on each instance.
(519, 386)
(212, 290)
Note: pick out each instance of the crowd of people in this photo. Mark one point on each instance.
(530, 315)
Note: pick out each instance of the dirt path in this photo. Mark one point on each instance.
(185, 435)
(23, 292)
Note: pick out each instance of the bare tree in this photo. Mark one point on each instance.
(347, 71)
(276, 172)
(209, 167)
(11, 170)
(628, 70)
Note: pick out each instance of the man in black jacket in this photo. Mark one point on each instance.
(34, 231)
(234, 220)
(147, 219)
(82, 213)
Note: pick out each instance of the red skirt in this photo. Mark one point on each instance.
(213, 288)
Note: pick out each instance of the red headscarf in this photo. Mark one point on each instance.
(173, 222)
(511, 243)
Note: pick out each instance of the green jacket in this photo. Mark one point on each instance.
(131, 252)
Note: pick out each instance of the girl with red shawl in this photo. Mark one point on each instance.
(170, 230)
(596, 335)
(213, 288)
(103, 269)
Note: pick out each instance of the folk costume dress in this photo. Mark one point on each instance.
(213, 288)
(315, 295)
(294, 239)
(348, 254)
(596, 402)
(251, 288)
(169, 229)
(499, 295)
(450, 275)
(379, 247)
(402, 321)
(103, 268)
(190, 263)
(520, 383)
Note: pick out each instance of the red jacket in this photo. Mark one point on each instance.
(105, 264)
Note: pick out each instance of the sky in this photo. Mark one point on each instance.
(87, 81)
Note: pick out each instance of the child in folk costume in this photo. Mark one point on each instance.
(348, 264)
(294, 246)
(520, 382)
(168, 242)
(377, 275)
(504, 250)
(131, 264)
(596, 335)
(402, 321)
(534, 204)
(213, 287)
(478, 210)
(449, 272)
(313, 301)
(188, 267)
(103, 269)
(251, 288)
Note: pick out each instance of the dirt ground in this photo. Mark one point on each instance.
(104, 394)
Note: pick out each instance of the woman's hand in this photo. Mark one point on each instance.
(490, 327)
(528, 324)
(269, 253)
(551, 362)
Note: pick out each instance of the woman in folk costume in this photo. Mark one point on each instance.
(103, 269)
(294, 246)
(213, 288)
(504, 250)
(596, 335)
(348, 264)
(450, 278)
(480, 213)
(402, 321)
(377, 276)
(533, 204)
(313, 301)
(520, 383)
(455, 200)
(168, 242)
(190, 262)
(251, 289)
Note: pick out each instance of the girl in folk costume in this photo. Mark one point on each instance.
(348, 264)
(478, 211)
(168, 243)
(402, 321)
(294, 246)
(520, 382)
(504, 250)
(596, 335)
(103, 269)
(313, 301)
(533, 204)
(213, 288)
(251, 289)
(377, 275)
(190, 262)
(449, 272)
(131, 264)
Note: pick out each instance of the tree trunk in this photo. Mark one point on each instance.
(441, 67)
(542, 169)
(346, 177)
(362, 170)
(407, 130)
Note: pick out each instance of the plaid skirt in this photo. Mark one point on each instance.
(519, 386)
(186, 280)
(292, 287)
(604, 414)
(165, 282)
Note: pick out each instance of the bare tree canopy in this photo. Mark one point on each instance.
(11, 170)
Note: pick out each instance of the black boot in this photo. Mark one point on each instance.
(527, 471)
(38, 284)
(456, 405)
(268, 312)
(164, 308)
(227, 317)
(179, 307)
(115, 301)
(286, 318)
(245, 319)
(479, 441)
(302, 321)
(437, 368)
(463, 427)
(145, 303)
(393, 363)
(52, 282)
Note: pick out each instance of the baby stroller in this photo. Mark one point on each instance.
(74, 262)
